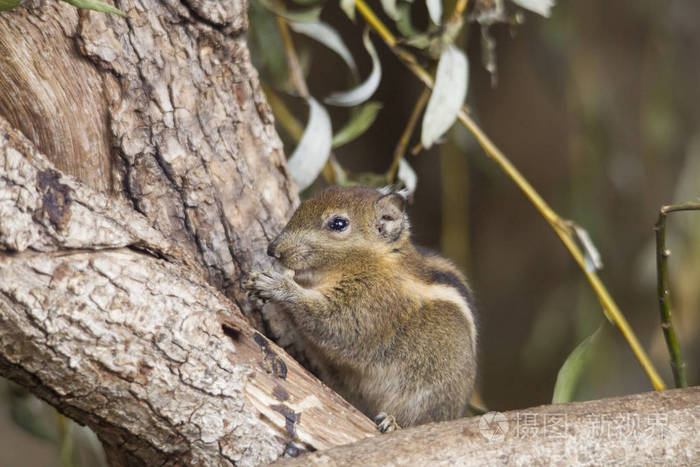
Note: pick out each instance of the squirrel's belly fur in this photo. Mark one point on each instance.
(422, 373)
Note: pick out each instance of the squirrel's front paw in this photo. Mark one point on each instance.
(268, 285)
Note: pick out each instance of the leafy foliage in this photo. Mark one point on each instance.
(283, 69)
(451, 81)
(571, 371)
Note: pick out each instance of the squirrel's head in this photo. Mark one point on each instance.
(340, 224)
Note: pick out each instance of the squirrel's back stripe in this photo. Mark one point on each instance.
(446, 293)
(440, 270)
(453, 280)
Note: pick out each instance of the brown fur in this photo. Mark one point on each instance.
(390, 326)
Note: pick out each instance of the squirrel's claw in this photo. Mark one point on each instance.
(254, 286)
(263, 285)
(386, 423)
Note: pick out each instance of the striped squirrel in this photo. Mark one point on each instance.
(388, 324)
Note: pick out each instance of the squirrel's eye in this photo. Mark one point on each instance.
(338, 224)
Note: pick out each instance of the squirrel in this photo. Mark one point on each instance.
(389, 324)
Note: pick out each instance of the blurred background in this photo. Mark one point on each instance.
(599, 108)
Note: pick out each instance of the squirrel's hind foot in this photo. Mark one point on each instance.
(386, 423)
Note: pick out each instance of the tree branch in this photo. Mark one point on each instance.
(658, 428)
(663, 291)
(117, 327)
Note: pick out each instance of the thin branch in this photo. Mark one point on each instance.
(680, 207)
(296, 74)
(662, 254)
(283, 115)
(460, 8)
(332, 171)
(406, 135)
(375, 23)
(454, 24)
(557, 223)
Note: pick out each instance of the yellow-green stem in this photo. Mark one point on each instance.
(460, 8)
(296, 75)
(560, 227)
(283, 115)
(400, 150)
(663, 290)
(558, 224)
(332, 172)
(375, 23)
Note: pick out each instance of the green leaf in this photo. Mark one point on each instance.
(404, 23)
(313, 149)
(309, 15)
(416, 38)
(364, 90)
(408, 177)
(434, 10)
(541, 7)
(591, 255)
(348, 6)
(10, 4)
(572, 369)
(31, 421)
(96, 6)
(326, 35)
(420, 41)
(390, 9)
(358, 123)
(451, 82)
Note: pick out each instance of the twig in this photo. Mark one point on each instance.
(662, 254)
(460, 8)
(406, 135)
(456, 18)
(297, 76)
(375, 23)
(557, 223)
(332, 171)
(563, 230)
(283, 115)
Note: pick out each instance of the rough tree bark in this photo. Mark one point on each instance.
(114, 285)
(117, 327)
(149, 181)
(162, 109)
(642, 429)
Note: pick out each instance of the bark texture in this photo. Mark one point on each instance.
(117, 327)
(53, 94)
(658, 428)
(114, 284)
(163, 109)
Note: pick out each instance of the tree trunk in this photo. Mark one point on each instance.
(114, 286)
(162, 109)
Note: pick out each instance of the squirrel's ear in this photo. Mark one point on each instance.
(390, 216)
